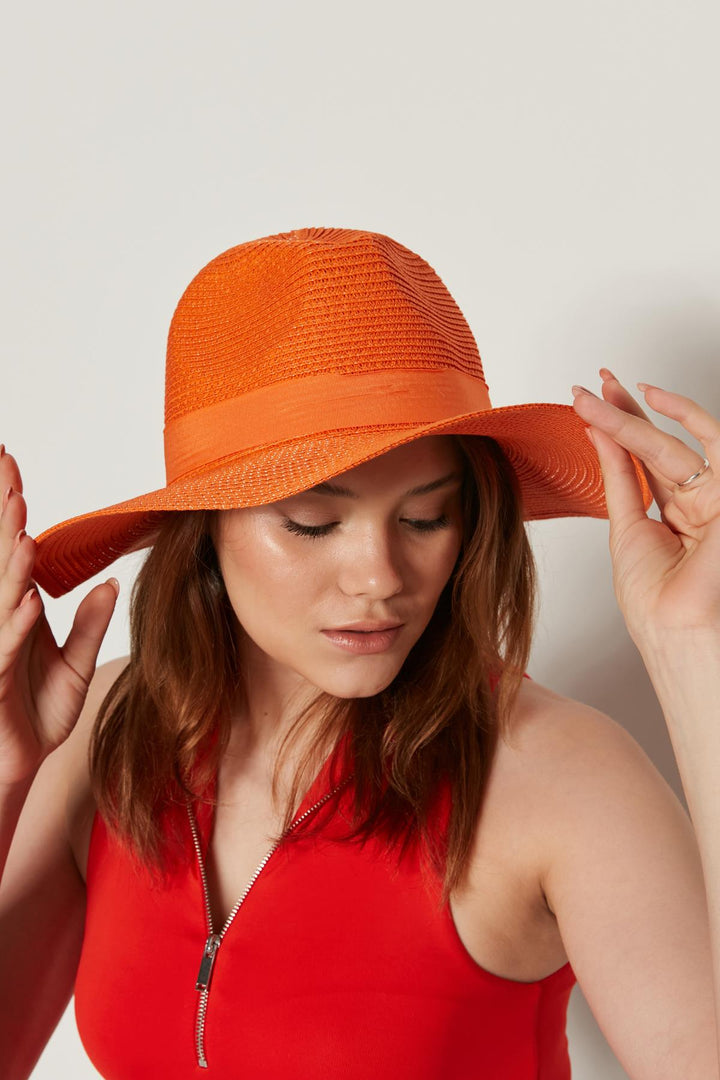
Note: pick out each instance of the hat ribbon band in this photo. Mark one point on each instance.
(316, 404)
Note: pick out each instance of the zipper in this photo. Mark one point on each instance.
(214, 940)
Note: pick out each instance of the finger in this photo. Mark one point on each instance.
(15, 579)
(13, 518)
(91, 621)
(10, 478)
(623, 494)
(667, 456)
(14, 631)
(17, 551)
(616, 394)
(9, 471)
(701, 424)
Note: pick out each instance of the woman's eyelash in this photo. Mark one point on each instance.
(314, 531)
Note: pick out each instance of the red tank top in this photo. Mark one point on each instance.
(337, 963)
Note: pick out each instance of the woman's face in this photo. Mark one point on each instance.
(381, 554)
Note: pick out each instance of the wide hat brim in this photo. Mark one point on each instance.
(557, 467)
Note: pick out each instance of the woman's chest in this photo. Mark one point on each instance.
(334, 962)
(499, 914)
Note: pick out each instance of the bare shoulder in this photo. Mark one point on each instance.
(541, 712)
(568, 768)
(536, 778)
(552, 734)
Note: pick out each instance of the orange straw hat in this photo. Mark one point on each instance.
(297, 356)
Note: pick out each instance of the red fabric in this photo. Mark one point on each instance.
(337, 964)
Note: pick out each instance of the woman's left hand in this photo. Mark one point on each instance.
(666, 574)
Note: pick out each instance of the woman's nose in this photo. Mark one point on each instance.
(372, 568)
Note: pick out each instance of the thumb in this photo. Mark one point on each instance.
(91, 621)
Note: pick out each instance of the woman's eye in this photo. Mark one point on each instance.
(323, 530)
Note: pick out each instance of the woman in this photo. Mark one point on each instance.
(320, 821)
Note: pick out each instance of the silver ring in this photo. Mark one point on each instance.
(695, 475)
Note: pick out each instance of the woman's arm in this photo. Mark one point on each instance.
(42, 894)
(666, 577)
(685, 673)
(42, 911)
(12, 799)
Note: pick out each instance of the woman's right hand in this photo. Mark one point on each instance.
(42, 687)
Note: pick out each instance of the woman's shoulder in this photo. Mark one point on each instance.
(554, 744)
(560, 754)
(545, 721)
(551, 734)
(537, 782)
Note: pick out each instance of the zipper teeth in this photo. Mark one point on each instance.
(199, 1033)
(198, 852)
(203, 1000)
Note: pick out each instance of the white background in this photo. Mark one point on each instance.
(556, 163)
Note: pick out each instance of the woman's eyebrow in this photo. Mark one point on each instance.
(327, 488)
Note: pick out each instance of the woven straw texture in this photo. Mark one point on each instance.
(295, 357)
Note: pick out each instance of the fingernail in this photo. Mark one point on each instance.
(115, 584)
(6, 496)
(18, 538)
(28, 596)
(582, 390)
(591, 437)
(2, 449)
(606, 373)
(643, 386)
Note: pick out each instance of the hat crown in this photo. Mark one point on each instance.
(308, 302)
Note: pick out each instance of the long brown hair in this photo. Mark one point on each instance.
(164, 724)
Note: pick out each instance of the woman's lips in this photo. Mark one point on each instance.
(360, 641)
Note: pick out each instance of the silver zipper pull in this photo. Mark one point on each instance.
(208, 959)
